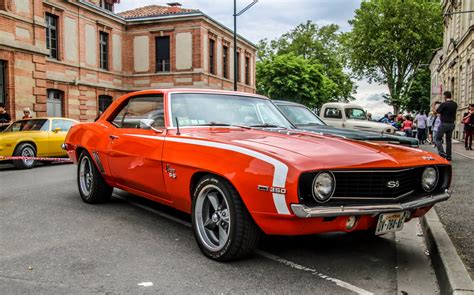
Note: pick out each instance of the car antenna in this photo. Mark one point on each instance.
(177, 126)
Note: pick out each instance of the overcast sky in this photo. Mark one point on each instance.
(271, 18)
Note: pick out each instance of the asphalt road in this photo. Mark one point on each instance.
(51, 242)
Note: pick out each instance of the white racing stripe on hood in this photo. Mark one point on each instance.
(280, 169)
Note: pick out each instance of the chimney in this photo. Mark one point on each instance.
(174, 7)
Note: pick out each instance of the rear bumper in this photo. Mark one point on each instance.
(303, 211)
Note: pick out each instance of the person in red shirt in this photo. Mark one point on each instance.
(407, 126)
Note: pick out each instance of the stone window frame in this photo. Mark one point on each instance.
(239, 67)
(162, 32)
(4, 80)
(5, 5)
(56, 33)
(62, 95)
(104, 64)
(57, 12)
(226, 58)
(155, 39)
(104, 28)
(247, 67)
(212, 55)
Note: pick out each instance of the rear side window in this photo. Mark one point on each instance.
(138, 108)
(333, 113)
(65, 125)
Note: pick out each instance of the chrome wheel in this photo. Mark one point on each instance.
(28, 152)
(85, 176)
(212, 217)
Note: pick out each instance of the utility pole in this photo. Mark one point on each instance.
(236, 14)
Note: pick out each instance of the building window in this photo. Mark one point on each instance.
(225, 61)
(247, 70)
(54, 103)
(238, 67)
(212, 48)
(104, 102)
(104, 50)
(163, 54)
(3, 81)
(107, 5)
(52, 35)
(4, 4)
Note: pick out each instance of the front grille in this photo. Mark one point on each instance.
(372, 186)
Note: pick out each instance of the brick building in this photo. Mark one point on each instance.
(71, 58)
(451, 66)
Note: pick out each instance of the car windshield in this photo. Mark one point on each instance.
(201, 109)
(356, 114)
(300, 115)
(29, 125)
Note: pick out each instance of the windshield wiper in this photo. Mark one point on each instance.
(266, 125)
(222, 124)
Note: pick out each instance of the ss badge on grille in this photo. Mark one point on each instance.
(393, 184)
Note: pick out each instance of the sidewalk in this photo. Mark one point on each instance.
(457, 214)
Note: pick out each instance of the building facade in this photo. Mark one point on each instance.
(71, 58)
(451, 66)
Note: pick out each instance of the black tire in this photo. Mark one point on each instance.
(92, 186)
(25, 150)
(243, 234)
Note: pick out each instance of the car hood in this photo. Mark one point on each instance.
(370, 124)
(310, 151)
(359, 135)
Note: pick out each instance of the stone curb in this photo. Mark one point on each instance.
(452, 275)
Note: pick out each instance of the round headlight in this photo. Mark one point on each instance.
(323, 187)
(429, 179)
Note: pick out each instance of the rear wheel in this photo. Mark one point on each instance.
(24, 150)
(92, 186)
(223, 227)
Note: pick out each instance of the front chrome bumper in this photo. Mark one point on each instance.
(304, 211)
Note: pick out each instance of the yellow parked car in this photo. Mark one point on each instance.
(39, 137)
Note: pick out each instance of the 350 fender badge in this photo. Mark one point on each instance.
(428, 158)
(272, 189)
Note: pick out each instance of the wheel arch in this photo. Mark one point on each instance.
(25, 141)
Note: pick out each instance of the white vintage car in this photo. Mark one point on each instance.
(348, 115)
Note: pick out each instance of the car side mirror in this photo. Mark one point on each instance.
(146, 124)
(56, 130)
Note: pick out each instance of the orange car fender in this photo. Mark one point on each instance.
(91, 137)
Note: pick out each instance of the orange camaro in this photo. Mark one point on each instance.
(233, 161)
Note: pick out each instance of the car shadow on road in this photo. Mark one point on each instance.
(363, 248)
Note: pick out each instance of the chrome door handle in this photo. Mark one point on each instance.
(113, 137)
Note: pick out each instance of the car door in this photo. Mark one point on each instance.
(333, 116)
(57, 134)
(134, 152)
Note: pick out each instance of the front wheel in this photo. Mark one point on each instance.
(223, 228)
(24, 150)
(92, 186)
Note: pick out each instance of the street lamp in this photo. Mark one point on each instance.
(236, 14)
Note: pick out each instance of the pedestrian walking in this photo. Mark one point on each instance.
(407, 126)
(430, 121)
(421, 122)
(468, 121)
(447, 111)
(5, 118)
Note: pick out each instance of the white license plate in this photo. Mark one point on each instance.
(389, 222)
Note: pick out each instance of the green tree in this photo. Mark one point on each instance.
(319, 46)
(292, 77)
(419, 93)
(390, 39)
